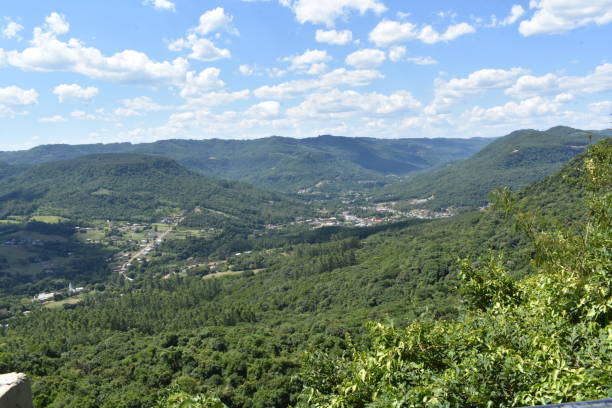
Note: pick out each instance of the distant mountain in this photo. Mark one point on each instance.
(129, 186)
(513, 161)
(280, 163)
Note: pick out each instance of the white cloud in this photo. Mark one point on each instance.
(266, 109)
(559, 16)
(202, 49)
(422, 60)
(160, 4)
(397, 53)
(56, 23)
(327, 11)
(79, 114)
(53, 119)
(338, 104)
(12, 30)
(67, 92)
(15, 96)
(141, 103)
(516, 12)
(215, 20)
(246, 70)
(48, 53)
(528, 108)
(335, 78)
(311, 62)
(600, 80)
(126, 112)
(334, 37)
(430, 36)
(216, 98)
(366, 58)
(207, 80)
(602, 107)
(389, 32)
(454, 90)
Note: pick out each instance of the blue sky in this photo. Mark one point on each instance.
(134, 70)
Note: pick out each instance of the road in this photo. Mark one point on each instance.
(144, 251)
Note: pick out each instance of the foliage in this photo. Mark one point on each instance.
(544, 339)
(137, 187)
(280, 163)
(240, 338)
(513, 161)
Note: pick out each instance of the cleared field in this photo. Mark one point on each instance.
(60, 303)
(49, 219)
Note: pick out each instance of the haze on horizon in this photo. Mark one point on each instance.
(141, 71)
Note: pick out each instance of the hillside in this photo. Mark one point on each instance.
(242, 337)
(136, 187)
(280, 163)
(513, 161)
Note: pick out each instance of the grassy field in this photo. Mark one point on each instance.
(49, 219)
(60, 303)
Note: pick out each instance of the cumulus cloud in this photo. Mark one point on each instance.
(48, 53)
(202, 49)
(388, 32)
(53, 119)
(422, 60)
(215, 20)
(600, 80)
(15, 96)
(366, 58)
(67, 92)
(266, 109)
(430, 36)
(334, 37)
(327, 11)
(160, 4)
(216, 98)
(336, 103)
(559, 16)
(397, 53)
(310, 62)
(516, 12)
(12, 30)
(601, 107)
(528, 108)
(454, 90)
(207, 80)
(335, 78)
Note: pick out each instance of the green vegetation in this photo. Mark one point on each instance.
(514, 161)
(544, 339)
(283, 164)
(136, 187)
(239, 340)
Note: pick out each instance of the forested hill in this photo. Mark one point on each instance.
(513, 161)
(281, 163)
(136, 187)
(242, 338)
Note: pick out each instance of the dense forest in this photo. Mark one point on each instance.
(514, 161)
(136, 187)
(281, 163)
(289, 328)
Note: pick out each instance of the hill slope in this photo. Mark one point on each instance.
(242, 337)
(513, 161)
(280, 163)
(128, 186)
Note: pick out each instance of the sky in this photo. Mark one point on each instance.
(76, 72)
